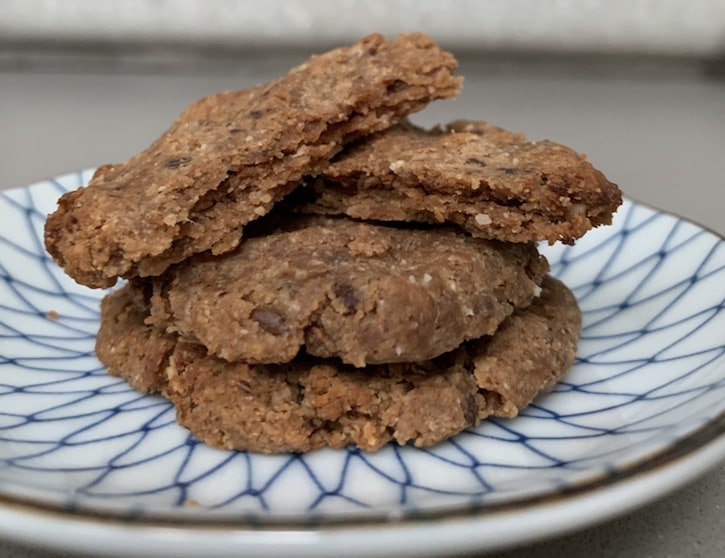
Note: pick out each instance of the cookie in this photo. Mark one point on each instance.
(365, 293)
(230, 156)
(485, 179)
(311, 403)
(122, 338)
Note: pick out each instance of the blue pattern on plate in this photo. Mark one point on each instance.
(650, 371)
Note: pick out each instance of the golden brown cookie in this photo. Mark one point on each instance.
(492, 182)
(310, 403)
(229, 157)
(368, 294)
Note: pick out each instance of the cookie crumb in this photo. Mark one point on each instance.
(483, 219)
(191, 503)
(578, 209)
(395, 166)
(52, 315)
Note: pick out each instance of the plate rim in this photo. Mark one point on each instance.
(465, 530)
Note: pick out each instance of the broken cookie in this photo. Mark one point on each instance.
(229, 157)
(491, 182)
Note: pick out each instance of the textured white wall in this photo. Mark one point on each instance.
(694, 27)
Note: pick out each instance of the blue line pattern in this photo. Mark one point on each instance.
(650, 370)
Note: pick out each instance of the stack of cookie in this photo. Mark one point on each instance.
(306, 268)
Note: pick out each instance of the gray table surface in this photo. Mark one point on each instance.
(660, 135)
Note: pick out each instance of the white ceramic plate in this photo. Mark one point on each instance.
(88, 464)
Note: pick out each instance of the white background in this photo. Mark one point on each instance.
(673, 27)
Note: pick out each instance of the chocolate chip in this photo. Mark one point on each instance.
(236, 130)
(177, 162)
(470, 410)
(397, 85)
(270, 321)
(474, 161)
(256, 114)
(346, 293)
(506, 170)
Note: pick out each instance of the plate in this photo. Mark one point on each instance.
(88, 464)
